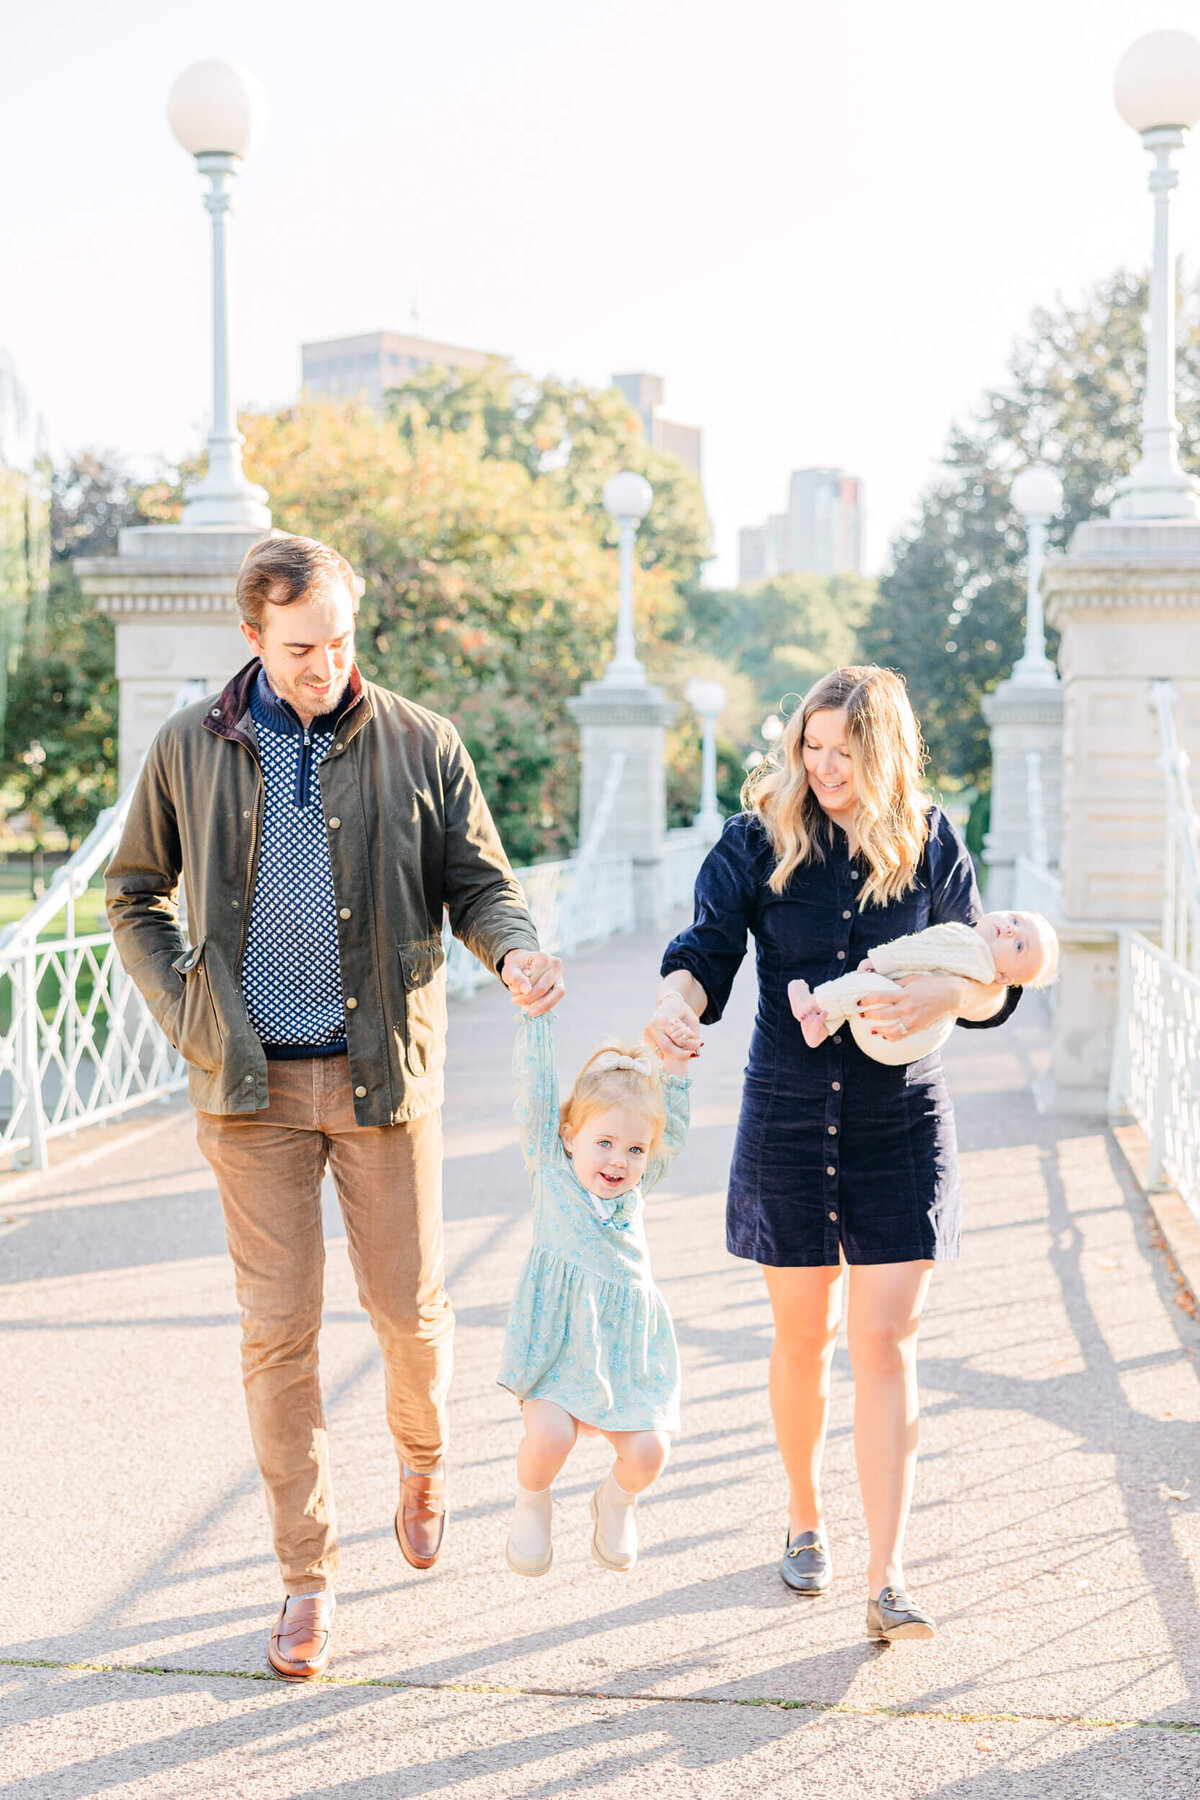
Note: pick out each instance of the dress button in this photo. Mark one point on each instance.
(845, 915)
(334, 823)
(841, 956)
(854, 874)
(361, 1093)
(833, 1216)
(837, 1087)
(838, 1039)
(833, 1131)
(830, 1170)
(350, 1005)
(344, 913)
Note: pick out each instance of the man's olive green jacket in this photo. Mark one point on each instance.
(409, 833)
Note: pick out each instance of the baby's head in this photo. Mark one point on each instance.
(613, 1117)
(1023, 945)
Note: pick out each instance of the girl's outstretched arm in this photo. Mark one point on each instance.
(536, 1078)
(677, 1093)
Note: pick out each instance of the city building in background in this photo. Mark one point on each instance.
(644, 393)
(372, 363)
(820, 533)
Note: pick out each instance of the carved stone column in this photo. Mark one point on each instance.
(1126, 600)
(170, 593)
(1026, 721)
(633, 718)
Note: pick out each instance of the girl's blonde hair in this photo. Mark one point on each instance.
(887, 755)
(617, 1074)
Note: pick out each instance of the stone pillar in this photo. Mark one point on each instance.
(170, 593)
(630, 716)
(1024, 717)
(1126, 599)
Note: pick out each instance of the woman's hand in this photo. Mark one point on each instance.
(673, 1030)
(924, 999)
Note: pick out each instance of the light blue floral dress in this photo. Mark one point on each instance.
(588, 1328)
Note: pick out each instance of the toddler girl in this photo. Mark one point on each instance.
(1018, 948)
(590, 1345)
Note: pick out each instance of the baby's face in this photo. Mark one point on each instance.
(1015, 943)
(610, 1150)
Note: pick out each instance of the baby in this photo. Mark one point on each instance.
(1017, 948)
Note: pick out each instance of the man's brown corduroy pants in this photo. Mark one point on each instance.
(269, 1167)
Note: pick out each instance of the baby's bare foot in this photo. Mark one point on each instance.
(799, 998)
(810, 1015)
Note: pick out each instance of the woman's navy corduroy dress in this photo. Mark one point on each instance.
(833, 1152)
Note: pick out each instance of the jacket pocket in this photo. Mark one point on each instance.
(197, 1034)
(425, 1019)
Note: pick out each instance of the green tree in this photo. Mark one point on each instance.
(59, 742)
(779, 634)
(950, 612)
(573, 436)
(490, 591)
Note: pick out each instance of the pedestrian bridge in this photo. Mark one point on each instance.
(1055, 1535)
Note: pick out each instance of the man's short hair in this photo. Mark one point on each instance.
(279, 570)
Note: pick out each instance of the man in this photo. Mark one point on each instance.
(320, 824)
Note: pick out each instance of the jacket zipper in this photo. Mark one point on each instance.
(301, 794)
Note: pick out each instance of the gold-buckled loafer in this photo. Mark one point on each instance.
(303, 1637)
(421, 1517)
(807, 1567)
(896, 1615)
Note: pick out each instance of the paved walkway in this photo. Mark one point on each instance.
(1053, 1533)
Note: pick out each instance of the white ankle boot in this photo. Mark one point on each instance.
(529, 1550)
(615, 1539)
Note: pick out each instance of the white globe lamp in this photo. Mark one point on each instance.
(1037, 495)
(627, 498)
(217, 111)
(1157, 91)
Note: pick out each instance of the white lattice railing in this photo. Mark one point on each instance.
(570, 904)
(1156, 1052)
(1037, 888)
(78, 1044)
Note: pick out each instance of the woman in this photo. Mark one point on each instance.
(844, 1169)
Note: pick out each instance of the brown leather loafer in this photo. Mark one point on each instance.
(421, 1517)
(303, 1637)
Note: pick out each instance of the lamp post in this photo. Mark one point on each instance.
(217, 111)
(708, 698)
(1037, 496)
(1157, 91)
(627, 498)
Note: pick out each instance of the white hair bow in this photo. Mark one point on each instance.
(612, 1059)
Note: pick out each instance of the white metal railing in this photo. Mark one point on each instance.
(1181, 906)
(581, 900)
(1156, 1052)
(1037, 888)
(683, 851)
(78, 1044)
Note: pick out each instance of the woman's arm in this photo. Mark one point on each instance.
(674, 1025)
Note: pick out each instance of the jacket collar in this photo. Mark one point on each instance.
(226, 713)
(278, 715)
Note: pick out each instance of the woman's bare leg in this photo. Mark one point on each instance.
(807, 1306)
(885, 1316)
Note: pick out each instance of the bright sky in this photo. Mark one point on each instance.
(823, 224)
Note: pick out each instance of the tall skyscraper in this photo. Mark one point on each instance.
(821, 532)
(378, 360)
(644, 393)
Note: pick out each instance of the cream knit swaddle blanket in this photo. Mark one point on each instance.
(940, 950)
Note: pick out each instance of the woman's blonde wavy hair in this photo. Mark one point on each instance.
(887, 755)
